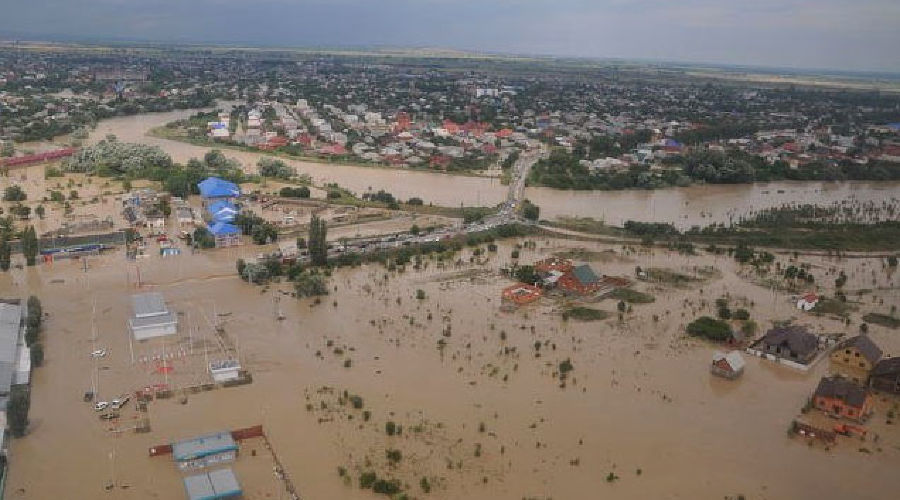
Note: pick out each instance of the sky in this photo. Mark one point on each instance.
(850, 35)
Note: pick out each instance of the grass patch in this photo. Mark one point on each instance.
(669, 276)
(632, 296)
(585, 314)
(882, 319)
(833, 307)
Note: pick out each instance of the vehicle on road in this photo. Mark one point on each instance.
(119, 402)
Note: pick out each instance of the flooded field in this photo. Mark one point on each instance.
(684, 207)
(475, 389)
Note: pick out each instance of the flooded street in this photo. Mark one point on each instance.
(684, 207)
(640, 402)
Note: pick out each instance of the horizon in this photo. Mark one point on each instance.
(833, 35)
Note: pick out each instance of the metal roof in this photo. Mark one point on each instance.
(10, 324)
(164, 319)
(213, 187)
(585, 275)
(220, 483)
(148, 304)
(201, 446)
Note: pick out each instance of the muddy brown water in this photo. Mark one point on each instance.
(685, 207)
(640, 396)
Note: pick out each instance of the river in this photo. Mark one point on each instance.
(684, 207)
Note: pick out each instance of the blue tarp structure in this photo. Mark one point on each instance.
(222, 211)
(214, 187)
(223, 228)
(199, 447)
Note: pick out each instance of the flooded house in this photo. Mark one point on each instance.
(855, 357)
(581, 280)
(151, 317)
(520, 294)
(885, 376)
(730, 365)
(792, 343)
(841, 397)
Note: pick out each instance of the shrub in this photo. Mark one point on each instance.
(390, 428)
(367, 479)
(710, 328)
(741, 314)
(393, 456)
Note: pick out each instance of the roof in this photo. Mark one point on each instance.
(222, 228)
(220, 205)
(864, 345)
(164, 319)
(214, 187)
(838, 387)
(10, 324)
(148, 304)
(810, 297)
(201, 446)
(797, 339)
(585, 275)
(887, 366)
(220, 483)
(733, 358)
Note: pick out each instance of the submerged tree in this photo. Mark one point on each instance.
(317, 241)
(29, 245)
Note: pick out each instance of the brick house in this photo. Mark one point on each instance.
(582, 280)
(855, 357)
(842, 397)
(885, 376)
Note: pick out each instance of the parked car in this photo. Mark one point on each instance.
(99, 353)
(109, 416)
(101, 405)
(119, 402)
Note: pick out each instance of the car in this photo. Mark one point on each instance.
(109, 416)
(99, 353)
(101, 405)
(119, 402)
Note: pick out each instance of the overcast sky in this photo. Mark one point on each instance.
(835, 34)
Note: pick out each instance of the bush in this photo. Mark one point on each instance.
(291, 192)
(367, 479)
(632, 296)
(741, 314)
(14, 193)
(386, 487)
(390, 428)
(393, 456)
(17, 410)
(356, 401)
(37, 354)
(586, 314)
(710, 328)
(420, 294)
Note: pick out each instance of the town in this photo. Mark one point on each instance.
(235, 273)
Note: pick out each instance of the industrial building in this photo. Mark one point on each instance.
(212, 485)
(224, 370)
(204, 451)
(15, 356)
(151, 317)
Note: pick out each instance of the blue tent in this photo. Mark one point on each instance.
(223, 229)
(213, 187)
(222, 211)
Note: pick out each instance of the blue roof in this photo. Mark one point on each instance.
(213, 187)
(585, 275)
(220, 205)
(212, 485)
(223, 228)
(895, 126)
(201, 446)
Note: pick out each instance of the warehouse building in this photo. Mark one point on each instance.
(151, 317)
(205, 451)
(212, 485)
(15, 357)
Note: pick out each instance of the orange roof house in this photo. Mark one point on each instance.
(553, 264)
(521, 294)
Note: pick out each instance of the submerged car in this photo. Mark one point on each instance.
(101, 405)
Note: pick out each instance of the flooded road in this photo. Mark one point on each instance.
(684, 207)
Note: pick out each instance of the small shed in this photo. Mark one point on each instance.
(807, 302)
(151, 317)
(730, 366)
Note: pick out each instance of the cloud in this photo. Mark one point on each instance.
(841, 34)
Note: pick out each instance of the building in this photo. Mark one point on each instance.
(841, 397)
(225, 370)
(222, 211)
(792, 343)
(225, 234)
(807, 302)
(856, 357)
(15, 357)
(212, 485)
(151, 317)
(214, 188)
(885, 376)
(730, 366)
(521, 294)
(204, 451)
(582, 280)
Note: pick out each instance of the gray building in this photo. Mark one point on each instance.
(151, 317)
(15, 356)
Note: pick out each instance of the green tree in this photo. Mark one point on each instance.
(40, 211)
(5, 253)
(7, 149)
(29, 245)
(37, 354)
(310, 285)
(530, 211)
(17, 410)
(317, 241)
(14, 193)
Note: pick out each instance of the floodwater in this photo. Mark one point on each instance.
(640, 396)
(684, 207)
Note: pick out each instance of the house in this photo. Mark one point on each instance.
(214, 188)
(521, 294)
(792, 343)
(222, 211)
(581, 280)
(856, 357)
(841, 397)
(730, 366)
(885, 376)
(807, 302)
(225, 234)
